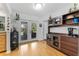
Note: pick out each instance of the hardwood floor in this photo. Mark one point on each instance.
(38, 48)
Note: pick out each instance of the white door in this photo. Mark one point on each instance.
(25, 31)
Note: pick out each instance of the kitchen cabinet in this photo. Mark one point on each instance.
(53, 40)
(69, 45)
(2, 41)
(49, 39)
(64, 43)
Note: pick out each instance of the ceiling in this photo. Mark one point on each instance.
(27, 8)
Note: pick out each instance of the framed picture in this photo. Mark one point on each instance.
(40, 25)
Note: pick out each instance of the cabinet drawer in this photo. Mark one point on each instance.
(2, 42)
(69, 39)
(68, 52)
(69, 45)
(70, 48)
(2, 49)
(2, 34)
(72, 45)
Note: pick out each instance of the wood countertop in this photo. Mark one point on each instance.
(62, 34)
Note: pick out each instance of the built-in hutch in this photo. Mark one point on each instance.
(67, 43)
(2, 34)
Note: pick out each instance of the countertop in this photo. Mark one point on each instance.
(62, 34)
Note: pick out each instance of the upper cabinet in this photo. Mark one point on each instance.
(2, 23)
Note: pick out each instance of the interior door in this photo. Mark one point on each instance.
(33, 30)
(24, 30)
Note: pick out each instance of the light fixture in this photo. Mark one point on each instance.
(38, 6)
(22, 25)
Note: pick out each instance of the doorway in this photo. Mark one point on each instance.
(24, 30)
(33, 30)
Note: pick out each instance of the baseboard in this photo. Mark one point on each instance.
(29, 41)
(42, 40)
(9, 51)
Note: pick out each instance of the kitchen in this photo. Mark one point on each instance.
(59, 29)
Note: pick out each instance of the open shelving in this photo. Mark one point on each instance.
(55, 21)
(71, 18)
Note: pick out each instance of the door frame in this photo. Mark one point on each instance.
(24, 23)
(36, 29)
(28, 32)
(31, 30)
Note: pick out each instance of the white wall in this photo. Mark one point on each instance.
(45, 29)
(59, 13)
(63, 11)
(41, 32)
(30, 20)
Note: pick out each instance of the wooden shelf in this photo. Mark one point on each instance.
(68, 22)
(55, 25)
(71, 13)
(64, 25)
(70, 18)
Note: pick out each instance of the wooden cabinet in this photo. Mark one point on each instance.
(53, 40)
(49, 39)
(71, 18)
(2, 42)
(69, 45)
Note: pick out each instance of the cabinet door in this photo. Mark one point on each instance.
(2, 43)
(69, 45)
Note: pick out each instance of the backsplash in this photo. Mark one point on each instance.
(62, 29)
